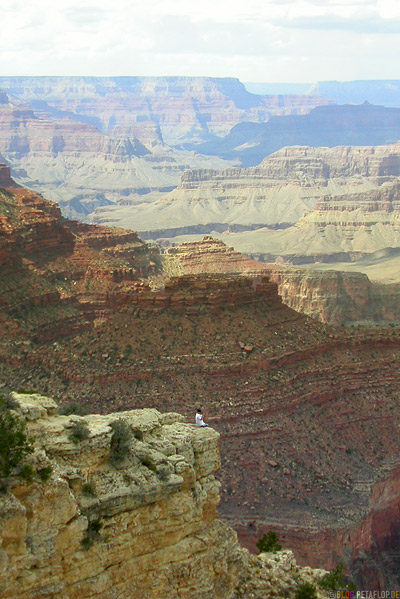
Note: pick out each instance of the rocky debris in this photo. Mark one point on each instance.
(146, 527)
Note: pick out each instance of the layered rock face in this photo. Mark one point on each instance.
(341, 200)
(66, 156)
(263, 373)
(144, 526)
(331, 297)
(58, 275)
(183, 108)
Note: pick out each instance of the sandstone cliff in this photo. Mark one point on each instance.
(144, 527)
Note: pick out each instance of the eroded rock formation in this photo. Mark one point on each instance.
(144, 527)
(341, 200)
(328, 296)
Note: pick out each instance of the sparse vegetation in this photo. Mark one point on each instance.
(268, 542)
(88, 489)
(120, 445)
(306, 591)
(14, 444)
(44, 473)
(72, 407)
(92, 534)
(79, 432)
(336, 579)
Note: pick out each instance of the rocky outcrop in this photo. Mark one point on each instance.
(77, 271)
(328, 296)
(337, 297)
(144, 526)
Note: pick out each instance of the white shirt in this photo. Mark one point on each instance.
(199, 419)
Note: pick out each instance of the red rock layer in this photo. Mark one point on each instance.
(308, 416)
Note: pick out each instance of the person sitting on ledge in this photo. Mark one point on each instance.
(199, 418)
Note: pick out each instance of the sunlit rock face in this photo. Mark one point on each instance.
(144, 526)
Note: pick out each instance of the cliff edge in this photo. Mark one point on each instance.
(141, 526)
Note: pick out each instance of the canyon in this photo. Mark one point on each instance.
(307, 413)
(301, 205)
(122, 142)
(89, 142)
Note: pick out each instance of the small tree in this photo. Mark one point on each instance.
(120, 441)
(79, 432)
(268, 542)
(14, 444)
(336, 579)
(306, 591)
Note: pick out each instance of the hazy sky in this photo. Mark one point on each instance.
(255, 40)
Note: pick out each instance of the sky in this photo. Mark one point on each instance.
(253, 40)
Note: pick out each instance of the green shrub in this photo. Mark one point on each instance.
(268, 542)
(88, 489)
(79, 432)
(306, 591)
(14, 444)
(72, 407)
(26, 472)
(92, 534)
(336, 579)
(44, 473)
(120, 441)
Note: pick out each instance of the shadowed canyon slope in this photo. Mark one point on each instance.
(329, 296)
(308, 415)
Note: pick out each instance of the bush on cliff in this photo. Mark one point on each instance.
(79, 432)
(14, 444)
(336, 579)
(268, 542)
(306, 591)
(120, 441)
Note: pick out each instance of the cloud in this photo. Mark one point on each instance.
(255, 40)
(372, 24)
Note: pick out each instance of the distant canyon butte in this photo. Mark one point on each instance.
(305, 178)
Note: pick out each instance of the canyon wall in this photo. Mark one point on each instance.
(329, 296)
(307, 414)
(141, 526)
(299, 201)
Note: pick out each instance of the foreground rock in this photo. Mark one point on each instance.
(143, 528)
